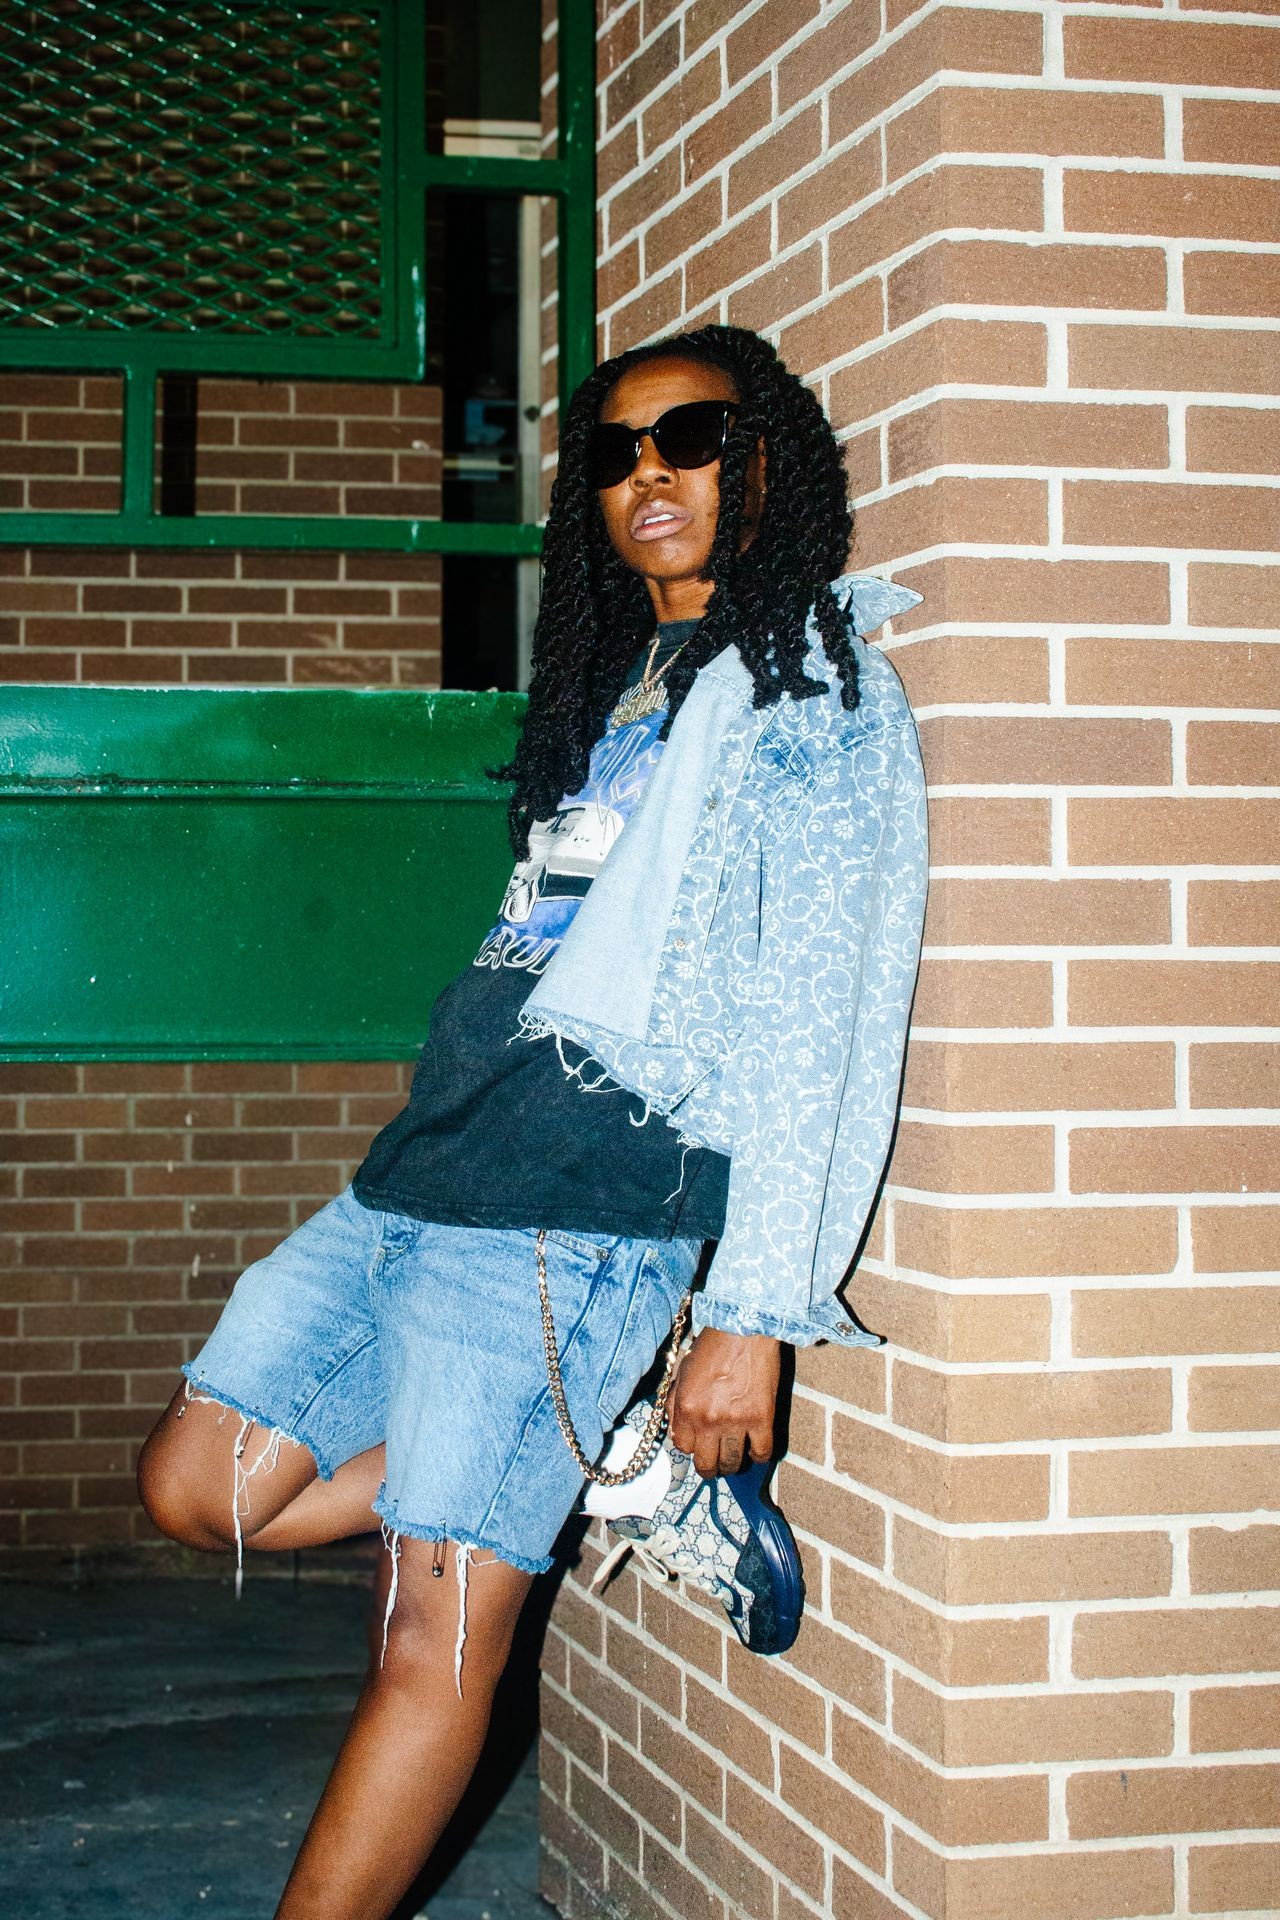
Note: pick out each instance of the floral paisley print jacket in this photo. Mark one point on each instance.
(745, 961)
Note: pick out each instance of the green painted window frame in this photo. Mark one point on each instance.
(143, 359)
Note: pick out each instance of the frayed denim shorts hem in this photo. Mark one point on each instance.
(199, 1386)
(395, 1523)
(366, 1326)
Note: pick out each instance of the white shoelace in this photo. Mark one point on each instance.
(660, 1558)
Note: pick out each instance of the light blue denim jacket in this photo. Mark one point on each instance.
(745, 959)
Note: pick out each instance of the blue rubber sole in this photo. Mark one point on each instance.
(777, 1543)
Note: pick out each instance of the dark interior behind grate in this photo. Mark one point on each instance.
(212, 168)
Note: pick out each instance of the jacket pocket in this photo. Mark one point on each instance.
(783, 768)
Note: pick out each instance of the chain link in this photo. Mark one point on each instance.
(651, 1438)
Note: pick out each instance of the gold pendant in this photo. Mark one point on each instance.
(636, 702)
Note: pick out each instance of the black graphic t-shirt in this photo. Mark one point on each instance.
(495, 1133)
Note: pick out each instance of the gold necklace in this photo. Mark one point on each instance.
(648, 694)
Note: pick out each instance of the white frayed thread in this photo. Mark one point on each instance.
(531, 1026)
(240, 1474)
(265, 1462)
(461, 1562)
(601, 1084)
(391, 1541)
(535, 1027)
(540, 1030)
(675, 1191)
(201, 1400)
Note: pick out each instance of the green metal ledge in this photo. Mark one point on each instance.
(265, 532)
(196, 873)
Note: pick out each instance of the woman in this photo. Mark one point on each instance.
(685, 1026)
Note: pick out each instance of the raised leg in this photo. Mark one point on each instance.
(212, 1480)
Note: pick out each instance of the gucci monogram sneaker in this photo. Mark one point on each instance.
(723, 1535)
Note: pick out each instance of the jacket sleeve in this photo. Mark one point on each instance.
(815, 1073)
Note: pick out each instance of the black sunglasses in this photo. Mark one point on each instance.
(692, 435)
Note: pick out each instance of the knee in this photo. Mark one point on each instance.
(176, 1507)
(425, 1665)
(435, 1634)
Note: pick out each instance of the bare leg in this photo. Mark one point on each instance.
(326, 1509)
(189, 1484)
(413, 1742)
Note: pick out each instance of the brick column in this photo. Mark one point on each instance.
(1022, 254)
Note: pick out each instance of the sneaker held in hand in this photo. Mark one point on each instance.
(722, 1534)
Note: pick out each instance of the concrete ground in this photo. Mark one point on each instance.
(161, 1749)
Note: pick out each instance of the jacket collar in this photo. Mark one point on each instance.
(869, 601)
(607, 963)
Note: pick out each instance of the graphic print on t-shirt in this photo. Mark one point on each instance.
(567, 851)
(500, 1135)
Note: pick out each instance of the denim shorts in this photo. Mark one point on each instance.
(366, 1326)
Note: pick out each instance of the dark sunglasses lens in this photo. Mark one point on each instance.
(611, 454)
(693, 435)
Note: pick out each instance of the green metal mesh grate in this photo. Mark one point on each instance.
(213, 169)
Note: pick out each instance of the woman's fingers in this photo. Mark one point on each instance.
(717, 1450)
(723, 1400)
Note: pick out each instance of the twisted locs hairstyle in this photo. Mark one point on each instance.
(595, 613)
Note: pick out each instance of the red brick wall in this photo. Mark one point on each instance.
(1026, 254)
(110, 615)
(131, 1196)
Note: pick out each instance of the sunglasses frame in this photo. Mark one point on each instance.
(732, 411)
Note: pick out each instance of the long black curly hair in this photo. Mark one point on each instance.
(595, 612)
